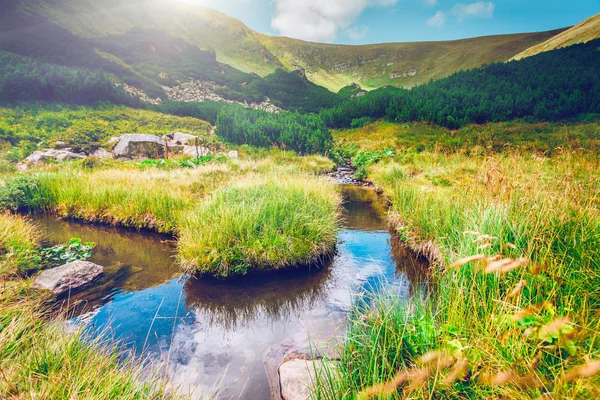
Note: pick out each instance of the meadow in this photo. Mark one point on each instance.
(513, 236)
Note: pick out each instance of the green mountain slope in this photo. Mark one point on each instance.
(233, 42)
(331, 66)
(395, 64)
(580, 33)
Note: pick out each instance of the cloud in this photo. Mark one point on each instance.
(438, 20)
(431, 2)
(319, 20)
(479, 9)
(357, 32)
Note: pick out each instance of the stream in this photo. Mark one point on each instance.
(227, 338)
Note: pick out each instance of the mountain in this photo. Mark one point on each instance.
(395, 64)
(328, 65)
(580, 33)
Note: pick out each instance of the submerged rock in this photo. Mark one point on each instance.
(133, 145)
(68, 277)
(297, 377)
(41, 156)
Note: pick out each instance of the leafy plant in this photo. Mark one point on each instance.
(65, 253)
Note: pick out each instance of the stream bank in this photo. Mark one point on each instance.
(225, 337)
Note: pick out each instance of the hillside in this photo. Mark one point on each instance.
(580, 33)
(331, 66)
(395, 64)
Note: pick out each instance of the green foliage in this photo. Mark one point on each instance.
(85, 128)
(23, 79)
(186, 162)
(65, 253)
(550, 86)
(206, 110)
(293, 91)
(305, 134)
(22, 192)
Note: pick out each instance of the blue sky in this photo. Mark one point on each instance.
(376, 21)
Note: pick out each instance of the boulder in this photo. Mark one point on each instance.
(183, 138)
(143, 146)
(41, 156)
(191, 151)
(297, 377)
(101, 154)
(233, 154)
(68, 277)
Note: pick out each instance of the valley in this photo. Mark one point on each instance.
(190, 209)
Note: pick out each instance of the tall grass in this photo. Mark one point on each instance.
(18, 240)
(274, 212)
(261, 222)
(530, 332)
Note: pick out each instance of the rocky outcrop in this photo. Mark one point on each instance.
(198, 91)
(101, 154)
(143, 146)
(135, 92)
(42, 156)
(68, 277)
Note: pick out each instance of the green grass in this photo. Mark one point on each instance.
(261, 223)
(493, 344)
(543, 138)
(88, 127)
(18, 241)
(274, 218)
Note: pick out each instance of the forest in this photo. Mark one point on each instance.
(550, 86)
(306, 134)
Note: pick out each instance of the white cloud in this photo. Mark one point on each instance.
(438, 20)
(479, 9)
(319, 20)
(431, 2)
(357, 32)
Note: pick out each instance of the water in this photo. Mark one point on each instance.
(229, 337)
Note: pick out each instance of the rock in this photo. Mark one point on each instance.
(60, 145)
(114, 140)
(183, 138)
(68, 277)
(233, 154)
(191, 151)
(297, 377)
(101, 154)
(143, 146)
(41, 156)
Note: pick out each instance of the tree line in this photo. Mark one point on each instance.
(304, 133)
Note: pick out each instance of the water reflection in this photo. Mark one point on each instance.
(221, 334)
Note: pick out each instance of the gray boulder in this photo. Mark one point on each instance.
(183, 138)
(297, 377)
(233, 154)
(143, 146)
(68, 277)
(41, 156)
(191, 151)
(101, 154)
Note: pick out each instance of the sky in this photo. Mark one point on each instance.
(378, 21)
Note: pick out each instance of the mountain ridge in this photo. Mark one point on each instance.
(330, 65)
